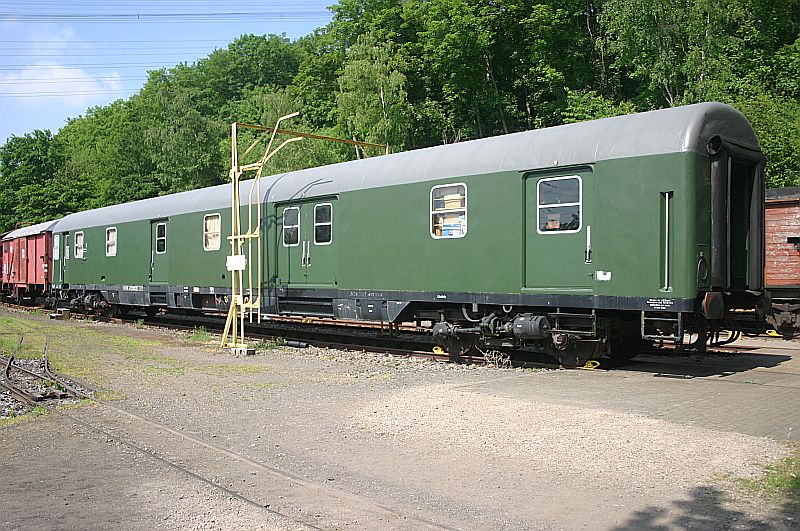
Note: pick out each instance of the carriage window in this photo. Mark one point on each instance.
(211, 231)
(111, 241)
(559, 204)
(56, 246)
(323, 223)
(79, 247)
(449, 211)
(291, 227)
(161, 238)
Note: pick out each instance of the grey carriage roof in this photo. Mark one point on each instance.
(679, 129)
(30, 230)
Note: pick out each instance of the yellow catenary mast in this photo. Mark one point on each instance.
(246, 296)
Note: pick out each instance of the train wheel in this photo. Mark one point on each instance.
(460, 347)
(111, 311)
(572, 352)
(626, 344)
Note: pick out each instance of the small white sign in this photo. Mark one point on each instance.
(236, 262)
(132, 288)
(603, 276)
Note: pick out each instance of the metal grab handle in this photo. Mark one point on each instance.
(308, 253)
(587, 255)
(303, 256)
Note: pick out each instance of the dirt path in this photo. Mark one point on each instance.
(293, 438)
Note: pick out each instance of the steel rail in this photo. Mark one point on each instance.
(23, 395)
(46, 376)
(171, 464)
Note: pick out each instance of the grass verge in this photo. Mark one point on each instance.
(781, 479)
(199, 333)
(33, 413)
(269, 344)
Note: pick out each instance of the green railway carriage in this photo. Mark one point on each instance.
(581, 239)
(167, 251)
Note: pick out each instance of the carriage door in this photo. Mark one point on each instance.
(56, 262)
(159, 261)
(305, 248)
(22, 260)
(558, 232)
(64, 265)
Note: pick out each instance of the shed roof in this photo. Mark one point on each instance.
(678, 129)
(789, 192)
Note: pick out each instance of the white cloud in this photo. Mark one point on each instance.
(49, 82)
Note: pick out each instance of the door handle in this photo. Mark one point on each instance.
(308, 253)
(303, 256)
(587, 254)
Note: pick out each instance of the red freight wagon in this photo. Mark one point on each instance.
(26, 261)
(782, 264)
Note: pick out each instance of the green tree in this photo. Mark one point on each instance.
(33, 187)
(777, 123)
(373, 106)
(181, 144)
(589, 105)
(106, 147)
(317, 81)
(685, 52)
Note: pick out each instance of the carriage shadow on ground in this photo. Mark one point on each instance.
(761, 364)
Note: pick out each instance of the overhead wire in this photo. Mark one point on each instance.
(101, 41)
(165, 18)
(101, 54)
(114, 12)
(61, 94)
(37, 81)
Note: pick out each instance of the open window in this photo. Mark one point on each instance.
(291, 226)
(323, 224)
(448, 212)
(211, 232)
(111, 241)
(80, 248)
(559, 205)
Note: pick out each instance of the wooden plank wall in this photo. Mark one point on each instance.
(782, 266)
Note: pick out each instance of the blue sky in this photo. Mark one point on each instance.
(60, 57)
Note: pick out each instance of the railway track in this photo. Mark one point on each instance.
(32, 387)
(404, 340)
